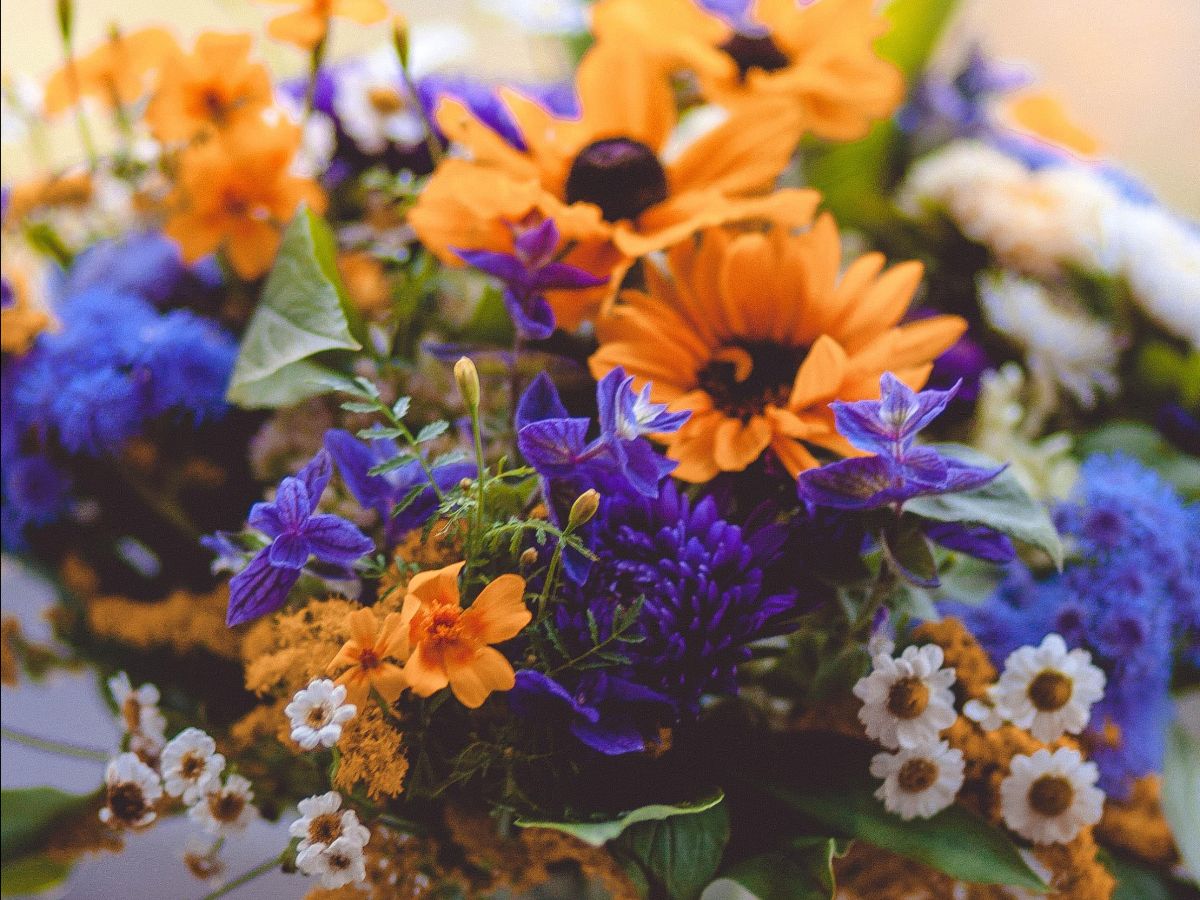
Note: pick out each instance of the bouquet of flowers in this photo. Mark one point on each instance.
(763, 460)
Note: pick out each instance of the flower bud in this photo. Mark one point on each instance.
(400, 38)
(528, 558)
(467, 377)
(584, 508)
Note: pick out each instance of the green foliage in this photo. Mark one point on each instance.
(491, 324)
(28, 813)
(1134, 881)
(1181, 795)
(1001, 504)
(31, 875)
(799, 869)
(908, 551)
(677, 855)
(600, 833)
(303, 312)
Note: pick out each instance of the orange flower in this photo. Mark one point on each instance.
(756, 333)
(22, 320)
(816, 56)
(216, 86)
(117, 72)
(235, 192)
(1044, 118)
(449, 644)
(367, 653)
(603, 177)
(307, 26)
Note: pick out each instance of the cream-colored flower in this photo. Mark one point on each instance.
(907, 701)
(920, 781)
(191, 765)
(1049, 797)
(131, 789)
(137, 710)
(337, 865)
(1048, 689)
(323, 821)
(373, 105)
(226, 809)
(318, 713)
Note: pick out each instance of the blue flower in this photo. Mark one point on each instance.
(296, 535)
(189, 362)
(147, 264)
(942, 109)
(36, 492)
(528, 272)
(96, 413)
(383, 493)
(485, 103)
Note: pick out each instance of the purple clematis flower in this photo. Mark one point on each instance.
(528, 272)
(296, 535)
(899, 470)
(383, 493)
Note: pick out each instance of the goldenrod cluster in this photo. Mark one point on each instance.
(372, 755)
(184, 621)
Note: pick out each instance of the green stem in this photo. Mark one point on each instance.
(52, 746)
(431, 141)
(164, 506)
(261, 869)
(479, 464)
(412, 442)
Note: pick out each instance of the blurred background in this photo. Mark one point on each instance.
(1127, 72)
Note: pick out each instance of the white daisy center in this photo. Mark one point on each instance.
(1050, 691)
(325, 828)
(1051, 795)
(917, 775)
(908, 698)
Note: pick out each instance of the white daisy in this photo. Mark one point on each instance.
(323, 821)
(984, 712)
(373, 104)
(131, 789)
(138, 712)
(337, 864)
(1048, 797)
(919, 781)
(318, 713)
(907, 701)
(225, 809)
(1048, 690)
(191, 765)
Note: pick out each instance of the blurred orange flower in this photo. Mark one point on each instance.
(817, 57)
(449, 645)
(608, 177)
(235, 192)
(308, 25)
(118, 72)
(216, 86)
(1044, 117)
(21, 320)
(367, 653)
(757, 332)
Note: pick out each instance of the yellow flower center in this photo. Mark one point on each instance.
(1051, 795)
(325, 828)
(317, 716)
(131, 712)
(126, 801)
(439, 626)
(916, 775)
(191, 766)
(1050, 690)
(908, 698)
(385, 100)
(368, 659)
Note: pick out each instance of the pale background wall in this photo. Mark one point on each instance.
(1129, 72)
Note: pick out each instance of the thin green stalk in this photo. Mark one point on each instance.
(431, 141)
(52, 746)
(261, 869)
(412, 442)
(482, 470)
(81, 122)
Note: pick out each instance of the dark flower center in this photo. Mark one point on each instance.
(908, 698)
(317, 716)
(744, 379)
(1050, 690)
(367, 660)
(1051, 795)
(191, 766)
(620, 175)
(226, 807)
(325, 828)
(916, 775)
(126, 801)
(755, 52)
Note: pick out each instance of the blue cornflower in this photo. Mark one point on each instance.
(36, 492)
(189, 362)
(96, 412)
(297, 534)
(383, 493)
(528, 272)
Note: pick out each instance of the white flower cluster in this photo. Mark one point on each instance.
(318, 713)
(1047, 797)
(332, 841)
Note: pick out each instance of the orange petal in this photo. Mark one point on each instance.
(473, 679)
(304, 28)
(692, 448)
(364, 626)
(623, 94)
(738, 444)
(499, 612)
(425, 672)
(389, 680)
(793, 455)
(435, 586)
(882, 304)
(820, 374)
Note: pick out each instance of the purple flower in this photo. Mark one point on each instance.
(384, 493)
(528, 272)
(899, 470)
(296, 535)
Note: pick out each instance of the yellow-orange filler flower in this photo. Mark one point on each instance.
(756, 333)
(119, 71)
(817, 57)
(235, 192)
(367, 652)
(308, 25)
(215, 87)
(608, 177)
(450, 645)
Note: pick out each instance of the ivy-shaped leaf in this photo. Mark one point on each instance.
(600, 833)
(800, 869)
(678, 855)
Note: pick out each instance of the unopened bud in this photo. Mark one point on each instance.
(400, 38)
(465, 484)
(66, 20)
(528, 558)
(584, 508)
(467, 377)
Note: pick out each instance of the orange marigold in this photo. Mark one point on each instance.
(117, 73)
(367, 653)
(308, 25)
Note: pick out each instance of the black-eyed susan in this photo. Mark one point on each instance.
(757, 332)
(606, 177)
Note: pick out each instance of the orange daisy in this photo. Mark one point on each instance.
(450, 645)
(308, 25)
(235, 193)
(216, 86)
(118, 72)
(757, 332)
(607, 177)
(817, 57)
(367, 653)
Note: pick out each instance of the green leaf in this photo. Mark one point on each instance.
(303, 312)
(1181, 794)
(679, 854)
(599, 833)
(916, 26)
(1134, 881)
(28, 813)
(802, 869)
(909, 553)
(31, 875)
(432, 430)
(491, 324)
(954, 841)
(1001, 504)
